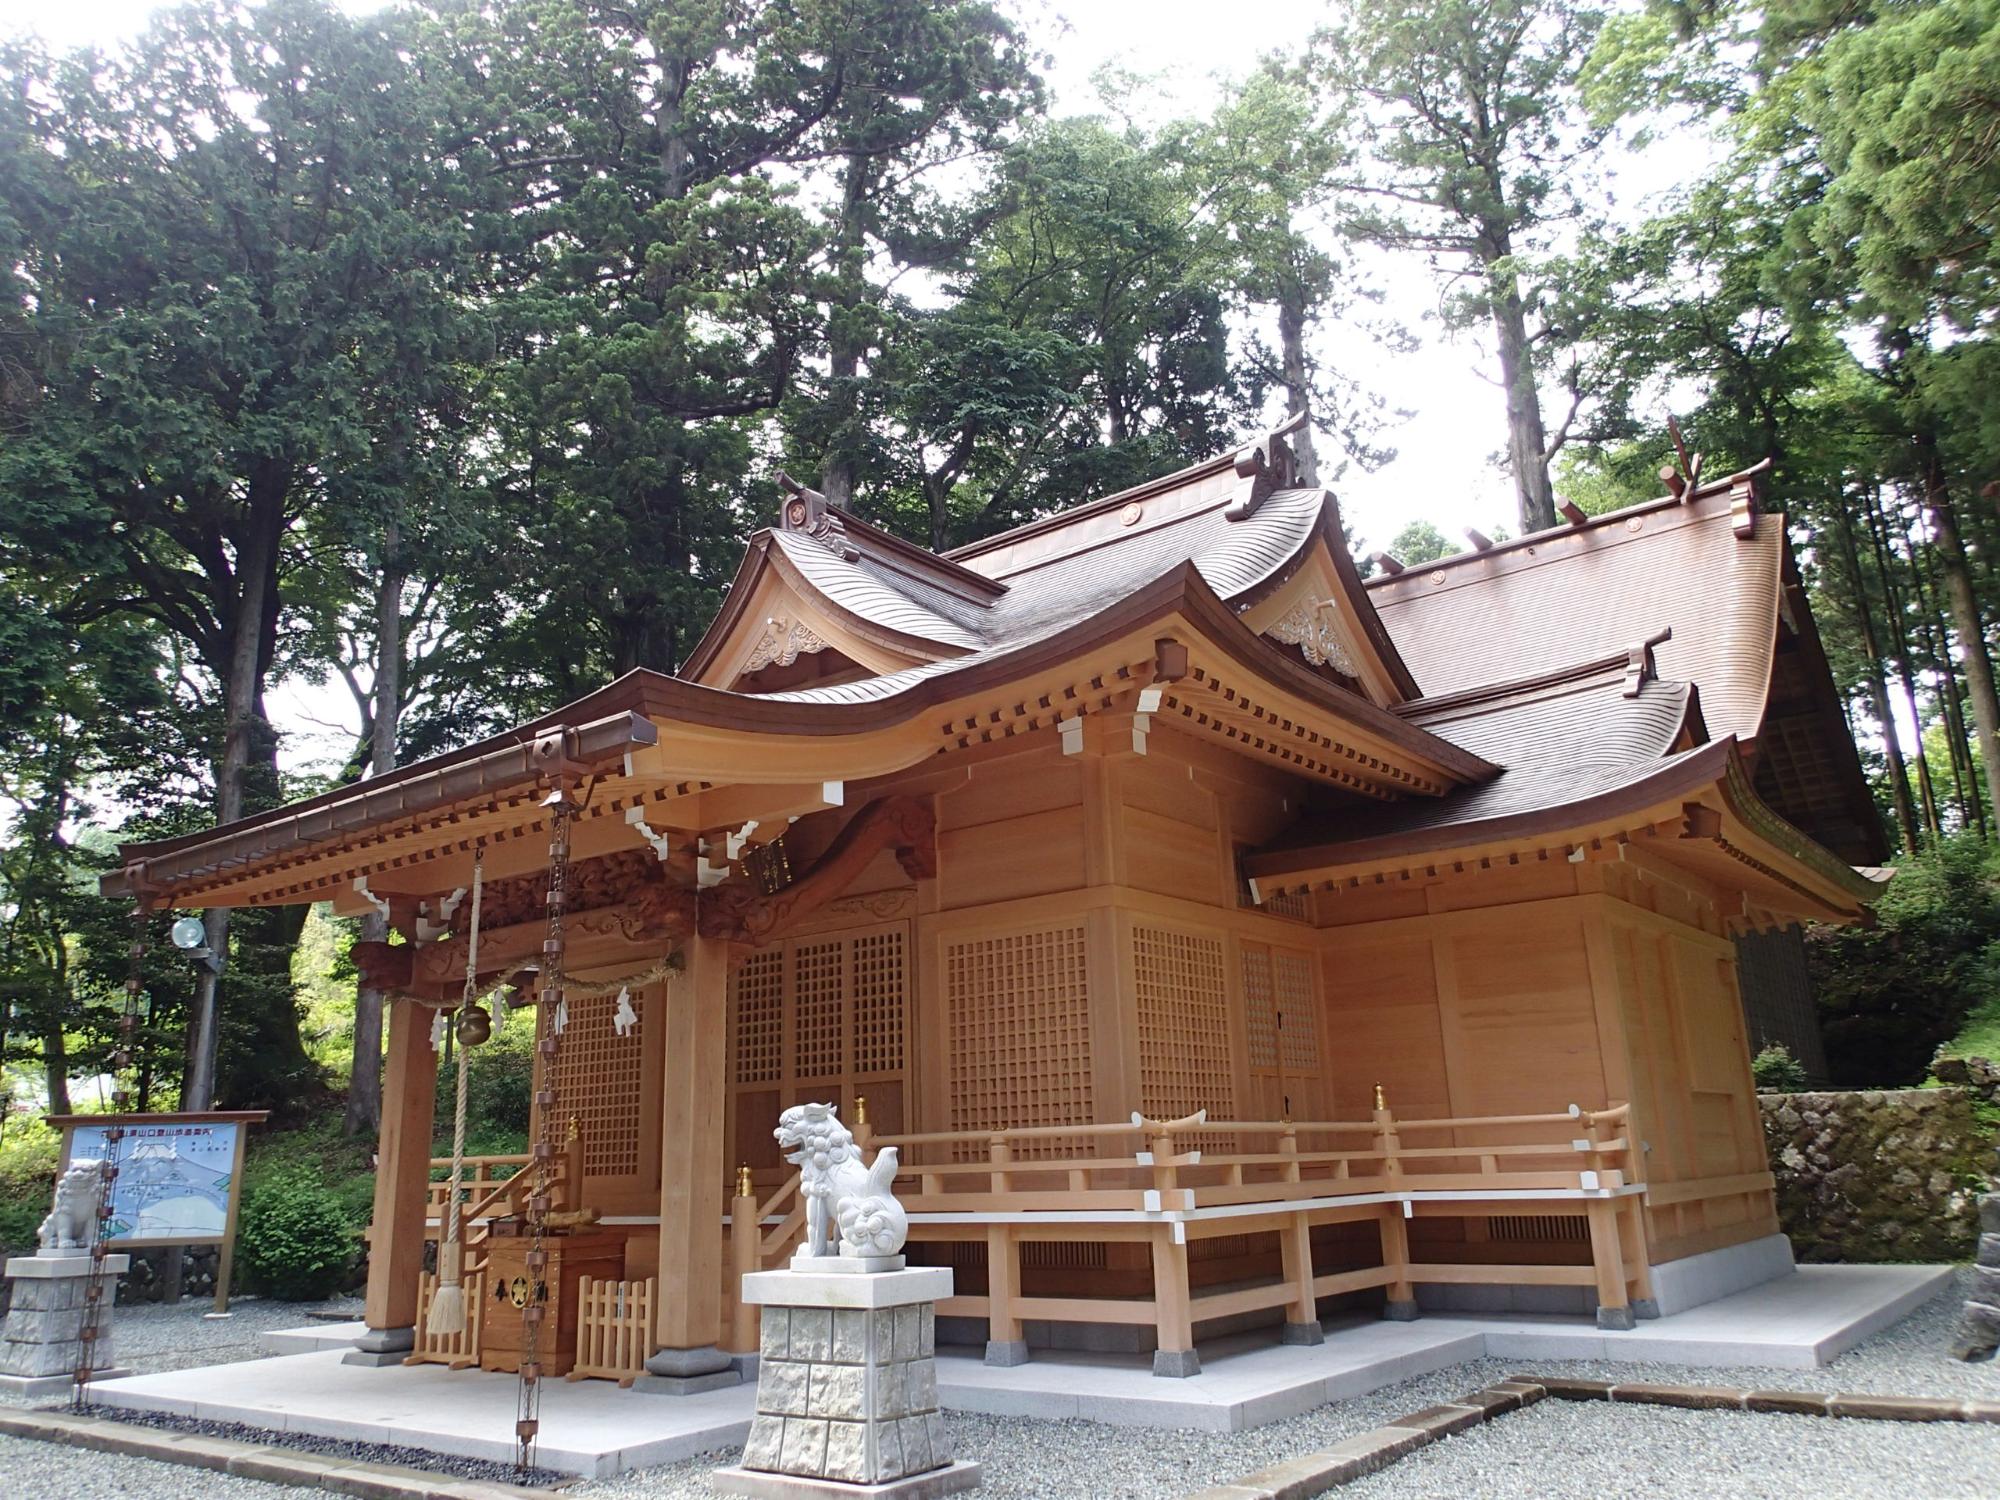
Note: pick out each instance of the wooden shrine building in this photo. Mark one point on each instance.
(1223, 938)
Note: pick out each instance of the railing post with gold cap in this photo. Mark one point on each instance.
(1395, 1229)
(862, 1130)
(745, 1255)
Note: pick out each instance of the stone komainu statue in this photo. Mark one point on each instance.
(845, 1201)
(72, 1222)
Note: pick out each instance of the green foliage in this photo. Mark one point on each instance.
(499, 1090)
(296, 1240)
(1420, 542)
(20, 1219)
(1776, 1071)
(1891, 993)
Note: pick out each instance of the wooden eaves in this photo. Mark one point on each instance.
(662, 751)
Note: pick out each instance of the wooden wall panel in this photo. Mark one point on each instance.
(1519, 1017)
(1014, 829)
(1380, 1025)
(1170, 855)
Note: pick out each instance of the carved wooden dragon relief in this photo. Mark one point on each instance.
(661, 913)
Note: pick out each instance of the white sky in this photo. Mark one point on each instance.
(1444, 471)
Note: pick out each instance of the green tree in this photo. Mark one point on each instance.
(226, 244)
(1472, 129)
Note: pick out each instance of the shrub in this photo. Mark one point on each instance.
(295, 1241)
(1891, 993)
(20, 1220)
(1777, 1071)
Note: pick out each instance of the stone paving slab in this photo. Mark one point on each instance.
(593, 1429)
(369, 1481)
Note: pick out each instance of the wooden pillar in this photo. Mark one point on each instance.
(1295, 1247)
(1173, 1311)
(1608, 1257)
(1004, 1344)
(1394, 1225)
(402, 1188)
(694, 1174)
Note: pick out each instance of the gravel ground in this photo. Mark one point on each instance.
(43, 1471)
(1556, 1451)
(151, 1337)
(371, 1453)
(1565, 1450)
(1661, 1454)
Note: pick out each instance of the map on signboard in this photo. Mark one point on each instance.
(174, 1180)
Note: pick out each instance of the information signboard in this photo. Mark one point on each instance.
(179, 1177)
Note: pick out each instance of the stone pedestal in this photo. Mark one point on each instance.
(42, 1342)
(1978, 1335)
(847, 1387)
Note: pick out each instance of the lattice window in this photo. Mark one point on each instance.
(1020, 1030)
(601, 1076)
(760, 1017)
(1260, 1007)
(878, 1002)
(1295, 906)
(818, 984)
(1299, 1033)
(1183, 1024)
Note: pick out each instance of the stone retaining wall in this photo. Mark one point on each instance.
(1879, 1175)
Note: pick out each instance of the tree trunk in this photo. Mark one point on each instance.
(1527, 444)
(1931, 626)
(846, 339)
(1964, 604)
(1297, 373)
(55, 1066)
(1878, 689)
(246, 737)
(364, 1074)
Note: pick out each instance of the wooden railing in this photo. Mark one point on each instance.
(753, 1248)
(1170, 1182)
(482, 1174)
(614, 1329)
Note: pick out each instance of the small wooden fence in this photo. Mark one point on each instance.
(1165, 1183)
(458, 1350)
(614, 1329)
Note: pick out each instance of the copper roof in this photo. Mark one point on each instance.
(1543, 699)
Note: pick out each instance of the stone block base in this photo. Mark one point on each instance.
(1401, 1312)
(1302, 1334)
(375, 1358)
(687, 1385)
(1176, 1364)
(1617, 1319)
(1006, 1353)
(952, 1479)
(847, 1382)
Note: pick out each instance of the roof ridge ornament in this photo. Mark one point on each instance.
(1640, 668)
(806, 512)
(1264, 467)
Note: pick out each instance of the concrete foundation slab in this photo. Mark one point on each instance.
(593, 1428)
(311, 1337)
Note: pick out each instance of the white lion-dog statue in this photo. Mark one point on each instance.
(72, 1222)
(850, 1208)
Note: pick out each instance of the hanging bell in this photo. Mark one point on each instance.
(474, 1026)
